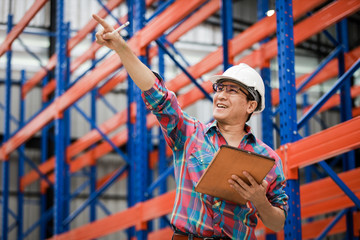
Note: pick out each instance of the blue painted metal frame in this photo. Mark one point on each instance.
(95, 195)
(108, 104)
(227, 30)
(93, 168)
(67, 129)
(160, 9)
(20, 203)
(109, 12)
(162, 166)
(323, 63)
(288, 127)
(93, 64)
(139, 156)
(267, 114)
(332, 224)
(6, 164)
(160, 180)
(12, 118)
(44, 157)
(106, 138)
(130, 126)
(345, 111)
(104, 208)
(340, 183)
(331, 92)
(161, 45)
(59, 121)
(43, 219)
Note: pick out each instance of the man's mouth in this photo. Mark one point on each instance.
(220, 105)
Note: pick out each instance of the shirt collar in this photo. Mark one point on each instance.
(212, 126)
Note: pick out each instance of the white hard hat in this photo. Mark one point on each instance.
(246, 76)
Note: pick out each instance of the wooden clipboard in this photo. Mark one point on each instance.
(228, 161)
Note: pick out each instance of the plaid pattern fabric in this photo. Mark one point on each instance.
(194, 145)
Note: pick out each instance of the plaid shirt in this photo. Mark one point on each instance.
(194, 145)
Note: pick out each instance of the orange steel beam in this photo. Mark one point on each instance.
(20, 26)
(195, 19)
(178, 10)
(329, 71)
(322, 145)
(191, 97)
(87, 55)
(313, 229)
(303, 30)
(302, 8)
(89, 27)
(324, 189)
(163, 205)
(76, 147)
(184, 101)
(335, 100)
(239, 43)
(142, 212)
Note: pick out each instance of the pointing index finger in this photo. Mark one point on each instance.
(102, 22)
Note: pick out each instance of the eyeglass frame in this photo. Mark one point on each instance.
(227, 90)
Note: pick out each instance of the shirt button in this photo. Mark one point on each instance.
(146, 103)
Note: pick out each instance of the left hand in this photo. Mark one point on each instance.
(256, 193)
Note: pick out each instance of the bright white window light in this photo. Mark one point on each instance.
(270, 13)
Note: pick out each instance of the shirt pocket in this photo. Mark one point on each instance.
(199, 160)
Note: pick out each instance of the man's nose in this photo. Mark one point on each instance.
(222, 94)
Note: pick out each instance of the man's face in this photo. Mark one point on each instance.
(231, 105)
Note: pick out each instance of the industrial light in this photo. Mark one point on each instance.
(270, 13)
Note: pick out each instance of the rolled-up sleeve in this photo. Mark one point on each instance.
(175, 124)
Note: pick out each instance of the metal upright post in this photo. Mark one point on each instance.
(44, 157)
(130, 126)
(267, 114)
(67, 127)
(346, 111)
(20, 202)
(162, 144)
(227, 30)
(288, 124)
(59, 121)
(7, 114)
(139, 155)
(93, 165)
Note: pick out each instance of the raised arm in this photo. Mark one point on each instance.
(139, 72)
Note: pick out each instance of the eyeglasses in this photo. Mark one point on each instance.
(229, 88)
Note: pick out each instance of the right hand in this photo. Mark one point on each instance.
(106, 37)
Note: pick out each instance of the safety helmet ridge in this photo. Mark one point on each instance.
(246, 76)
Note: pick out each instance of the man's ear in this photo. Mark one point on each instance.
(252, 106)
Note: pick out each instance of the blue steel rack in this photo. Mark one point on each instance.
(138, 151)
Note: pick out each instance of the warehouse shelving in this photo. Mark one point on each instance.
(296, 153)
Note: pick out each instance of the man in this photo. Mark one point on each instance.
(238, 93)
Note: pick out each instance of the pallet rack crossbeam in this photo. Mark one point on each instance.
(330, 93)
(161, 45)
(340, 183)
(94, 195)
(162, 177)
(89, 27)
(172, 15)
(321, 66)
(103, 135)
(20, 26)
(216, 6)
